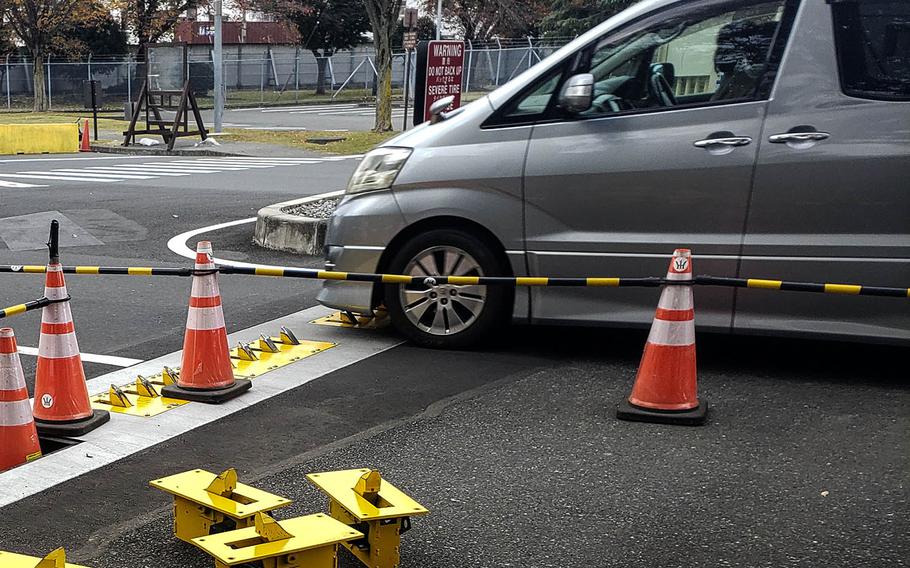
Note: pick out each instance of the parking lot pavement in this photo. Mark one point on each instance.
(517, 454)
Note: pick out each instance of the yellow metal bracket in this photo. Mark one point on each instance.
(303, 542)
(143, 398)
(206, 503)
(352, 320)
(362, 499)
(266, 354)
(56, 559)
(136, 399)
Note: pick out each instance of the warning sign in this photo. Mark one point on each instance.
(440, 66)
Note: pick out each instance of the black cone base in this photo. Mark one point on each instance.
(693, 417)
(211, 396)
(72, 428)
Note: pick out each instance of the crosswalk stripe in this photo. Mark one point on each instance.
(271, 163)
(222, 166)
(308, 107)
(136, 170)
(58, 178)
(100, 174)
(184, 169)
(17, 184)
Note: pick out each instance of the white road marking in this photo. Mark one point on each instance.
(308, 107)
(177, 244)
(100, 174)
(138, 169)
(81, 158)
(90, 357)
(125, 435)
(57, 178)
(16, 184)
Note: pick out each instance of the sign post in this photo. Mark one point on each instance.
(440, 65)
(410, 42)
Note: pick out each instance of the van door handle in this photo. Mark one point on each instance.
(798, 137)
(726, 141)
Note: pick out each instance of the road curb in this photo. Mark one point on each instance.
(282, 231)
(151, 151)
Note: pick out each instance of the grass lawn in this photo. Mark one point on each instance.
(353, 143)
(59, 118)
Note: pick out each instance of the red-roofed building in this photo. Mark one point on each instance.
(272, 33)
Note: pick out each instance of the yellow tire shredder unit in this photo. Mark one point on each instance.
(56, 559)
(229, 521)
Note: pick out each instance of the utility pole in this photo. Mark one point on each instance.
(218, 63)
(438, 19)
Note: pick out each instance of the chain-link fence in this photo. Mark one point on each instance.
(259, 75)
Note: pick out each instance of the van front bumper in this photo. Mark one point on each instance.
(346, 295)
(357, 235)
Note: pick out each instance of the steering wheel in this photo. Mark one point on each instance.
(660, 90)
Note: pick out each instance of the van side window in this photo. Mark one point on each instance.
(712, 55)
(873, 48)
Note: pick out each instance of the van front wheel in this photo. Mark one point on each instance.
(447, 316)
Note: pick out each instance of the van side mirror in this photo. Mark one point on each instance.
(577, 93)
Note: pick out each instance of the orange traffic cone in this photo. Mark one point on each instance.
(206, 374)
(18, 437)
(62, 404)
(665, 388)
(86, 146)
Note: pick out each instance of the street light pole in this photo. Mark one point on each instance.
(438, 19)
(218, 64)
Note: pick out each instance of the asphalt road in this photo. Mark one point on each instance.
(517, 455)
(128, 222)
(514, 448)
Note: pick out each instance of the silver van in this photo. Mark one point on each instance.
(772, 137)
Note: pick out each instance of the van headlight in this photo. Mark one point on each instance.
(378, 169)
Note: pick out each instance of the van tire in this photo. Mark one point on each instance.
(497, 305)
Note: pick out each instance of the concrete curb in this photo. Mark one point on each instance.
(278, 230)
(152, 151)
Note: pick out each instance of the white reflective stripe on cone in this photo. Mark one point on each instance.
(55, 268)
(18, 413)
(205, 319)
(55, 293)
(57, 313)
(58, 346)
(672, 332)
(679, 276)
(205, 287)
(676, 298)
(11, 377)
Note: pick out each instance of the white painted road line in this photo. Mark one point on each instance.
(126, 435)
(57, 178)
(138, 169)
(79, 159)
(90, 358)
(100, 174)
(16, 184)
(177, 244)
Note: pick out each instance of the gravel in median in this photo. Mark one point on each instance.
(321, 209)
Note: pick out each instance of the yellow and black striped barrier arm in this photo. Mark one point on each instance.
(121, 270)
(818, 287)
(29, 306)
(313, 273)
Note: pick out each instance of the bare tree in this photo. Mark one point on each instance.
(36, 23)
(149, 20)
(384, 21)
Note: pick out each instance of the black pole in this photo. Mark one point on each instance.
(95, 109)
(53, 245)
(407, 86)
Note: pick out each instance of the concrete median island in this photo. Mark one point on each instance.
(298, 225)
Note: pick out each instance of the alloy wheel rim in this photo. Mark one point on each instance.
(444, 309)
